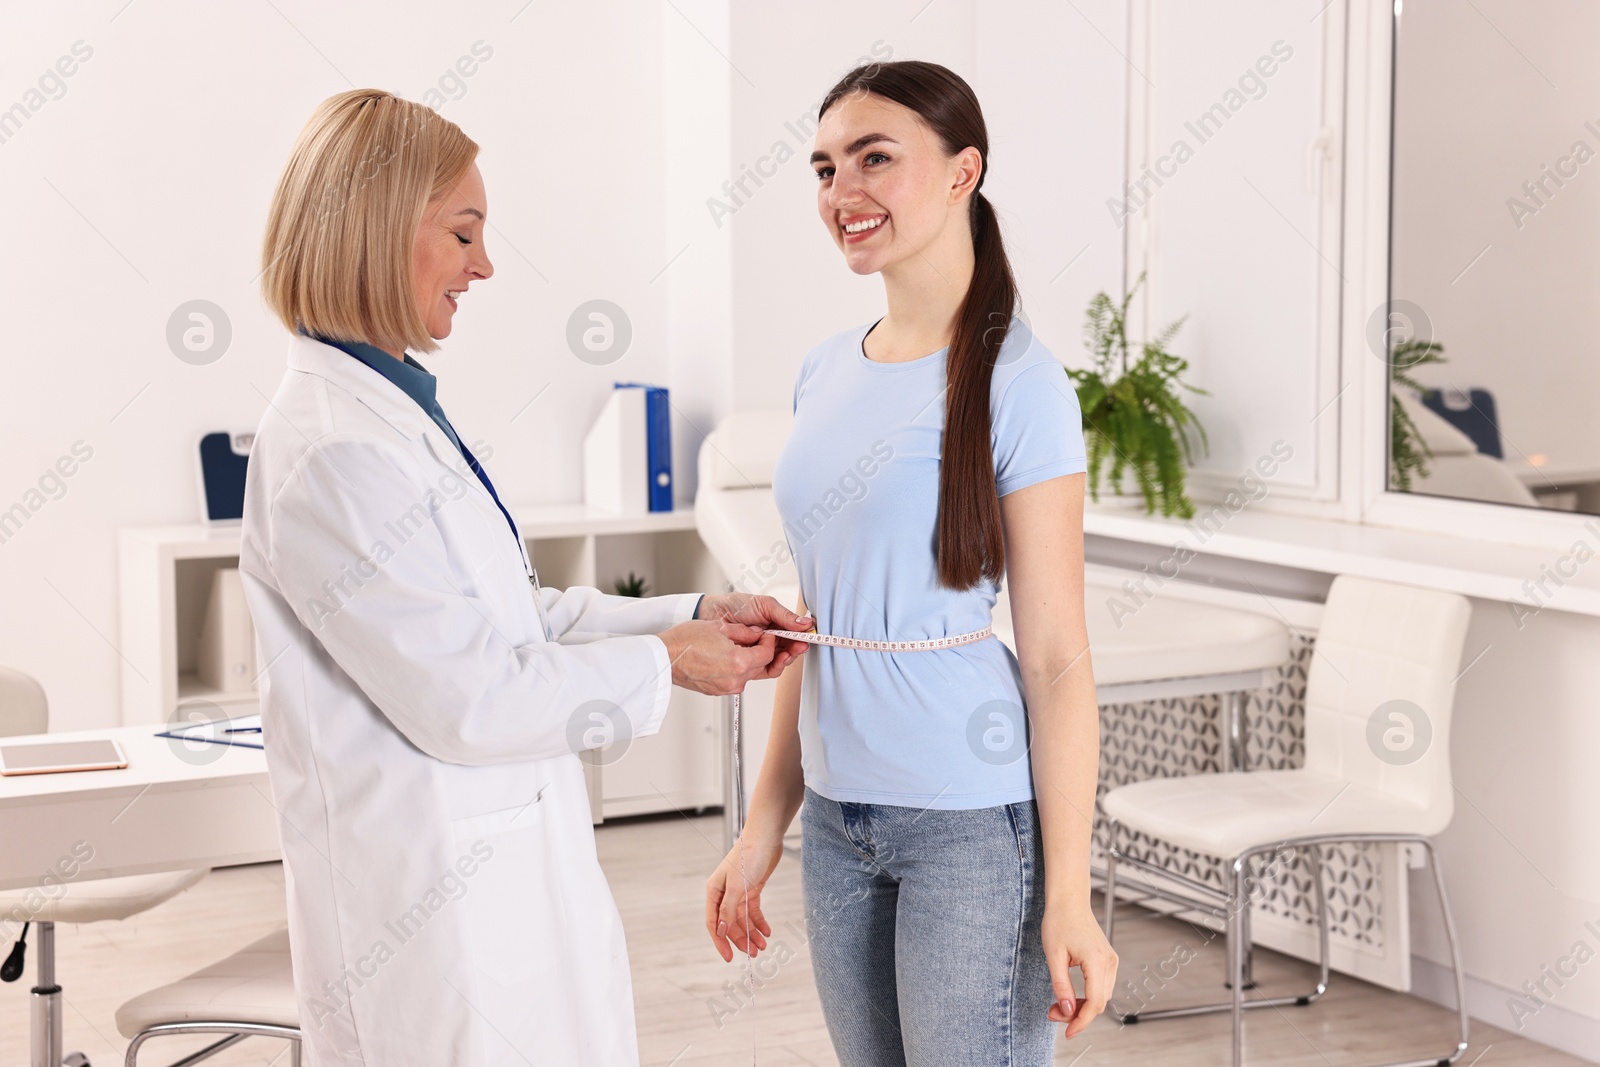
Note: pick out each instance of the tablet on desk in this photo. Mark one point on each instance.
(56, 757)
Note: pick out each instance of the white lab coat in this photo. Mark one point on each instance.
(445, 903)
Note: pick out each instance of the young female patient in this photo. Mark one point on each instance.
(945, 829)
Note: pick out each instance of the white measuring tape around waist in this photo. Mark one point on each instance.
(927, 644)
(861, 644)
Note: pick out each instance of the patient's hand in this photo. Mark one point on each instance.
(1073, 938)
(733, 895)
(759, 611)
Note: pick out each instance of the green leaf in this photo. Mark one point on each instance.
(632, 585)
(1134, 422)
(1408, 452)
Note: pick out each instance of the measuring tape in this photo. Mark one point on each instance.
(928, 644)
(860, 644)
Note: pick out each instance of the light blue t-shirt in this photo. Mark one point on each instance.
(857, 487)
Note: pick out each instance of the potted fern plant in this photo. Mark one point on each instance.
(632, 585)
(1408, 451)
(1133, 414)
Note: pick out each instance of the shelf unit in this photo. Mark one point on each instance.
(165, 574)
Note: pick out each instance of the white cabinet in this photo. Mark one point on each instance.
(165, 575)
(1233, 207)
(681, 766)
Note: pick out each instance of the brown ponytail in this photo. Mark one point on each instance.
(970, 540)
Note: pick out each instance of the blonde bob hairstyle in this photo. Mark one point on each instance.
(336, 259)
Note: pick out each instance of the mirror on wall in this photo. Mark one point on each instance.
(1492, 331)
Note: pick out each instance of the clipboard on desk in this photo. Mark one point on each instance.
(242, 730)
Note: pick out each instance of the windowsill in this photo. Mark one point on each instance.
(1475, 567)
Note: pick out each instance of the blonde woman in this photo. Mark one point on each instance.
(423, 698)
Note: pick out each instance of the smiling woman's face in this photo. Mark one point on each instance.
(448, 253)
(885, 188)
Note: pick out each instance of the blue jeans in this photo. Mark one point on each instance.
(924, 933)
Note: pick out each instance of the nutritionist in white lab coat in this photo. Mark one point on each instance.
(423, 699)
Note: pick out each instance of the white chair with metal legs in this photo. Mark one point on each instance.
(1377, 769)
(24, 710)
(248, 994)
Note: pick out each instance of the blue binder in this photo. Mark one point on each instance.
(658, 438)
(223, 460)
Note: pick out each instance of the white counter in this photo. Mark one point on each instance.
(1475, 567)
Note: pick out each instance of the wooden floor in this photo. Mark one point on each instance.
(686, 1016)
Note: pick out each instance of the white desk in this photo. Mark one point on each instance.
(1174, 647)
(174, 807)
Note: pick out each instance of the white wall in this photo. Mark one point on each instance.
(146, 185)
(1522, 854)
(698, 254)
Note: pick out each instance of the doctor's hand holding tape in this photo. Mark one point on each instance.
(424, 700)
